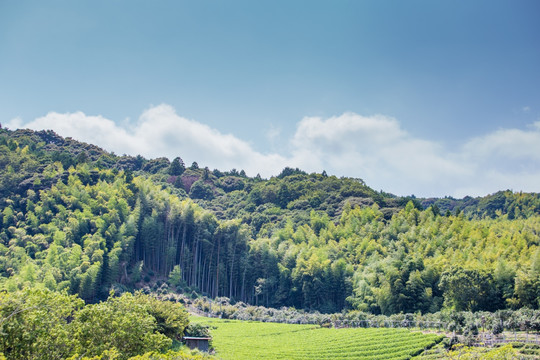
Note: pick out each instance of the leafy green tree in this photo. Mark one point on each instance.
(171, 317)
(466, 289)
(177, 167)
(156, 165)
(175, 276)
(123, 323)
(35, 324)
(201, 190)
(527, 287)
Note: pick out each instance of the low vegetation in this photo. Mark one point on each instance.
(240, 340)
(41, 324)
(503, 352)
(450, 321)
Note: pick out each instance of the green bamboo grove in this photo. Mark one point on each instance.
(76, 218)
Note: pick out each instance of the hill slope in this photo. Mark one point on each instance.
(78, 218)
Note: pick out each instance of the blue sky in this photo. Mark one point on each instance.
(430, 98)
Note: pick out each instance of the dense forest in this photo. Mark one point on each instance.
(79, 219)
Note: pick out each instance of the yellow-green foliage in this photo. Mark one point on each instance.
(508, 351)
(70, 220)
(183, 354)
(124, 323)
(255, 340)
(35, 322)
(42, 324)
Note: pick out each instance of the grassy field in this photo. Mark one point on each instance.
(238, 340)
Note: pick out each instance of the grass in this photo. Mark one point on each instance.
(239, 340)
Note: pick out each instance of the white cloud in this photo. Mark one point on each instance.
(273, 133)
(503, 159)
(375, 148)
(506, 144)
(387, 157)
(160, 132)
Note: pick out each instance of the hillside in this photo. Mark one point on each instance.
(78, 218)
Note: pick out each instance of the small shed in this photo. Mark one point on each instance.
(201, 343)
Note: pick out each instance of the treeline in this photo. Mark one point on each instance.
(78, 219)
(517, 205)
(231, 194)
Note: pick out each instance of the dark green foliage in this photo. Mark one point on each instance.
(198, 330)
(305, 240)
(177, 167)
(156, 165)
(467, 289)
(290, 171)
(514, 205)
(231, 183)
(201, 190)
(130, 163)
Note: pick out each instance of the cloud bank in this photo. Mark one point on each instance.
(374, 148)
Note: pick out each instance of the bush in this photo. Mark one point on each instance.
(41, 324)
(125, 323)
(34, 324)
(198, 330)
(171, 317)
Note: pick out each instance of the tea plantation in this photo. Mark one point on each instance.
(238, 340)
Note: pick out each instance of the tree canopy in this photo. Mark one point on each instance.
(77, 219)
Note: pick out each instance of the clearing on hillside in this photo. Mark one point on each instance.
(239, 340)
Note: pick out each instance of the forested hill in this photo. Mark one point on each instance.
(229, 194)
(76, 217)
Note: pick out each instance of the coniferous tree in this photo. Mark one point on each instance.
(177, 167)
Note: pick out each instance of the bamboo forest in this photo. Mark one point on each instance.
(83, 223)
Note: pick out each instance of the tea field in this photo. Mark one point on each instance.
(239, 340)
